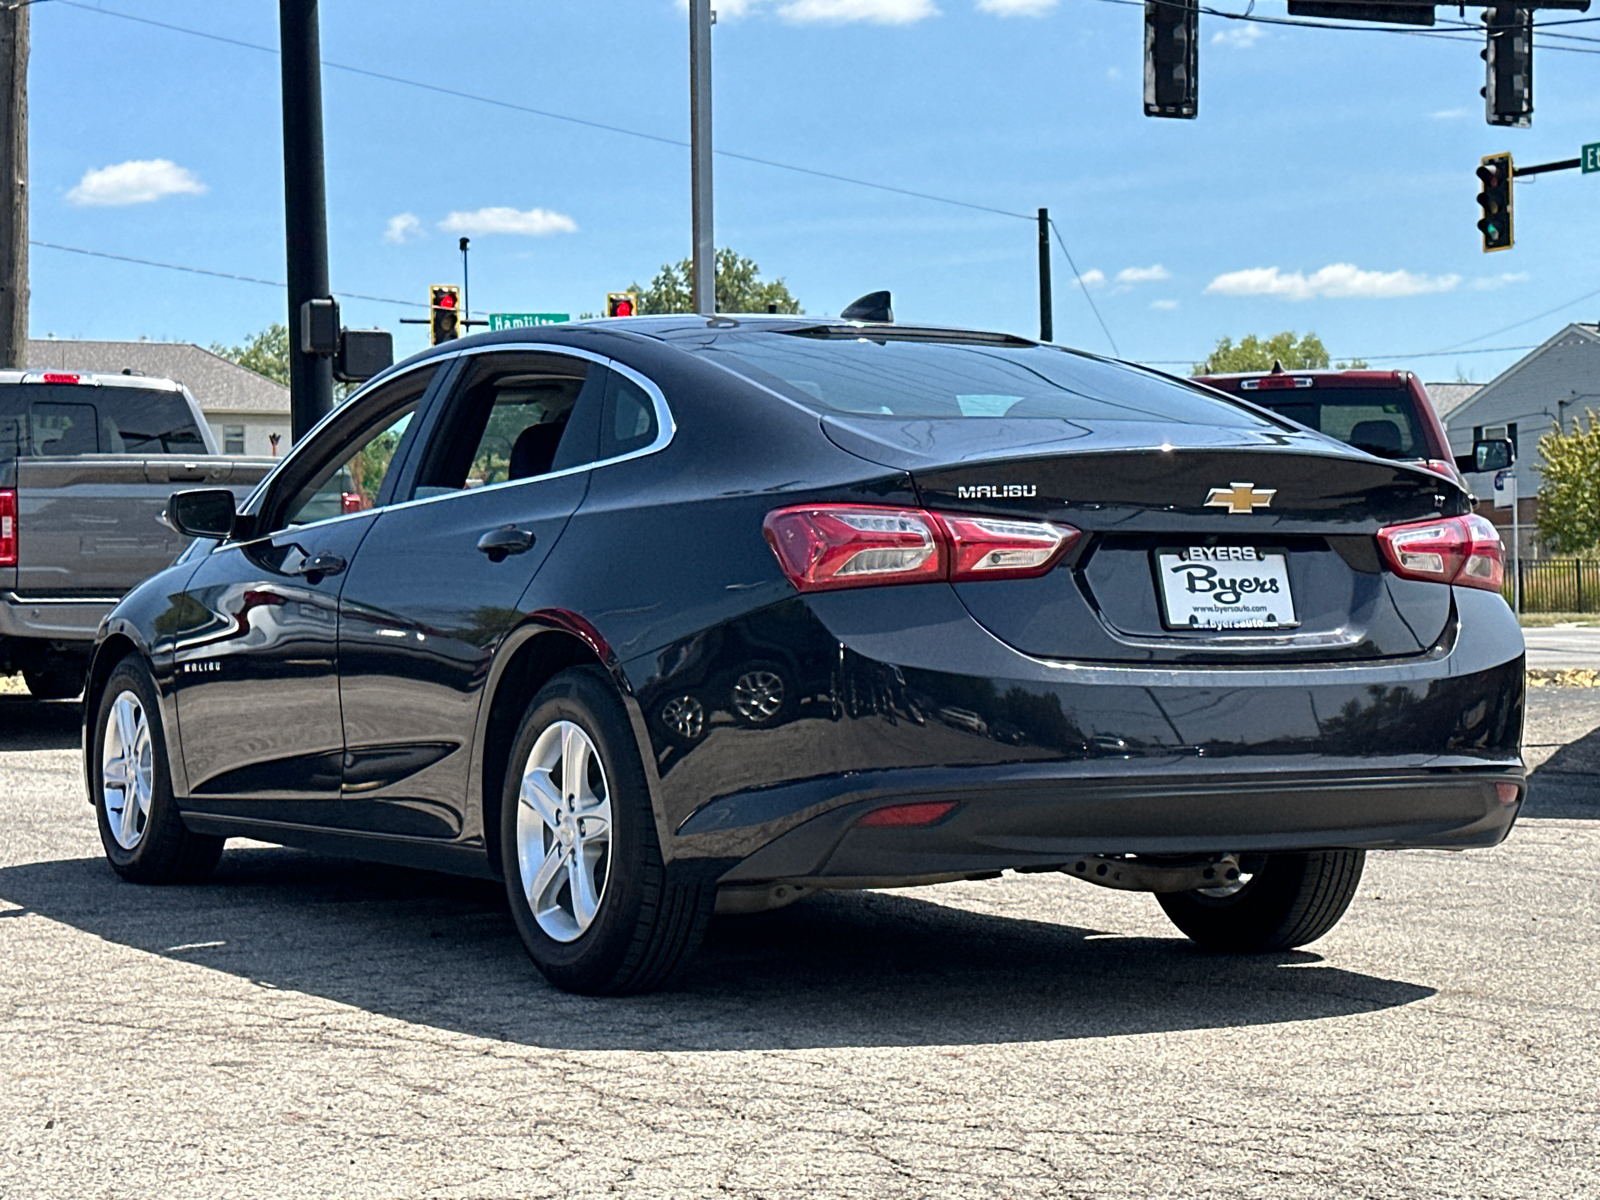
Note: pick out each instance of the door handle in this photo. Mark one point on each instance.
(323, 562)
(508, 539)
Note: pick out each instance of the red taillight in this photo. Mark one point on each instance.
(351, 502)
(900, 816)
(52, 378)
(1273, 383)
(1460, 550)
(827, 546)
(8, 527)
(823, 546)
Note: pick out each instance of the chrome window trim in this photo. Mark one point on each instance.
(666, 427)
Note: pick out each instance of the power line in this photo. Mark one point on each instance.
(150, 262)
(1173, 362)
(1082, 288)
(512, 106)
(1525, 321)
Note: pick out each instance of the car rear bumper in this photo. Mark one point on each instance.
(1049, 759)
(63, 619)
(1033, 818)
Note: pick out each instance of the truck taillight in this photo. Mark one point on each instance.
(1465, 551)
(822, 547)
(8, 527)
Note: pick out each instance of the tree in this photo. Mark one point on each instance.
(1253, 354)
(740, 288)
(1569, 497)
(267, 353)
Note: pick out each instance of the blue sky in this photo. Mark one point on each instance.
(1327, 185)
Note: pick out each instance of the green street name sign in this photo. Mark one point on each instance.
(1591, 157)
(499, 321)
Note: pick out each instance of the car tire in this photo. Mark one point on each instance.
(144, 836)
(597, 909)
(1292, 899)
(54, 682)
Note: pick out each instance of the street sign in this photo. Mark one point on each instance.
(499, 321)
(1505, 489)
(1591, 157)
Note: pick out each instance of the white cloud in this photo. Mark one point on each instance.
(1016, 8)
(1449, 114)
(1113, 74)
(1163, 305)
(1129, 276)
(1241, 34)
(536, 222)
(880, 12)
(402, 228)
(1340, 281)
(1093, 278)
(137, 182)
(1493, 283)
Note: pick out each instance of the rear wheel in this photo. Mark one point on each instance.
(144, 837)
(596, 907)
(1290, 900)
(57, 681)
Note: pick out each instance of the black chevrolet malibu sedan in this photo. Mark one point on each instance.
(659, 617)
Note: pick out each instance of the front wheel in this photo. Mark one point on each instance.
(144, 837)
(1290, 900)
(597, 909)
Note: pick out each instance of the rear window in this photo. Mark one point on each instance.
(880, 376)
(45, 420)
(1381, 421)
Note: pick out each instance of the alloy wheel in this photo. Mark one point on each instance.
(564, 831)
(127, 770)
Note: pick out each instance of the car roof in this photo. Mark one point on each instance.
(1325, 378)
(89, 379)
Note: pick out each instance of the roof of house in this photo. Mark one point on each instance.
(1447, 397)
(1576, 333)
(221, 387)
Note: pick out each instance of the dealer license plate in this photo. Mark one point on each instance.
(1224, 587)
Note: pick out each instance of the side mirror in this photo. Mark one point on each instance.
(202, 512)
(1494, 455)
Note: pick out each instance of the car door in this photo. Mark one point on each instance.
(437, 582)
(255, 653)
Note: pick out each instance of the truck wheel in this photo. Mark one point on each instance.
(1291, 900)
(144, 837)
(596, 907)
(58, 681)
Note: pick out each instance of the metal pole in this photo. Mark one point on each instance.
(466, 308)
(304, 205)
(703, 284)
(1047, 324)
(14, 185)
(1516, 547)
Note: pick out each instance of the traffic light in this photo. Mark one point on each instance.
(1495, 201)
(622, 304)
(1508, 90)
(1171, 58)
(444, 307)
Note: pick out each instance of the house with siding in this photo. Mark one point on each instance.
(1557, 383)
(245, 410)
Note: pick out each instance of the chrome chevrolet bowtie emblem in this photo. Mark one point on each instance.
(1240, 497)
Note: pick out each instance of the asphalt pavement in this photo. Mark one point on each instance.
(1563, 649)
(305, 1026)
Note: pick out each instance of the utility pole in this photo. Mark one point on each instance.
(304, 206)
(14, 185)
(466, 305)
(1047, 324)
(703, 285)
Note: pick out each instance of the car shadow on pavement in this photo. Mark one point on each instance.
(1567, 784)
(29, 724)
(858, 969)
